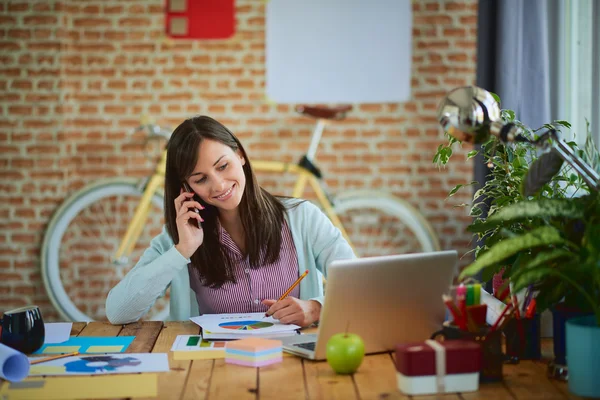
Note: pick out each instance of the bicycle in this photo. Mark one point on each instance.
(373, 222)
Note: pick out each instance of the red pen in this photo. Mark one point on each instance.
(530, 309)
(452, 308)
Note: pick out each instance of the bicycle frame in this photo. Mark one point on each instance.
(156, 181)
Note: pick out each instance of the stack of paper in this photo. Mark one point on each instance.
(239, 326)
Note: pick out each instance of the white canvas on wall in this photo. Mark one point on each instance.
(338, 51)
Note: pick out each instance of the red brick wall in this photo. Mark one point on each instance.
(77, 75)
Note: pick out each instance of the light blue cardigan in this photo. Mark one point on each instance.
(317, 241)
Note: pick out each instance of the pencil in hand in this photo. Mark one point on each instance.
(283, 296)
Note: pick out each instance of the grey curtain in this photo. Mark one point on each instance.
(523, 73)
(514, 61)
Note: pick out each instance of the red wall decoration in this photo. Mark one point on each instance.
(200, 19)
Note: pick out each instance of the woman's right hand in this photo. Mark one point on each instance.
(190, 237)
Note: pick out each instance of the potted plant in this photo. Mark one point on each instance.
(542, 224)
(559, 255)
(508, 165)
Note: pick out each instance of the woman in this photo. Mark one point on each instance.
(236, 246)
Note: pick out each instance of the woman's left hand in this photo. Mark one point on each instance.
(294, 311)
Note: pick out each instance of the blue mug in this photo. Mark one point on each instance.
(23, 329)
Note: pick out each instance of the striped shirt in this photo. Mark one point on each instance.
(251, 285)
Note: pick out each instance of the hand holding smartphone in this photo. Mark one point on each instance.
(192, 221)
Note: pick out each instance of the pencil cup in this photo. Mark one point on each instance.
(530, 348)
(492, 357)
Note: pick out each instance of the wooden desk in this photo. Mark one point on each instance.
(296, 378)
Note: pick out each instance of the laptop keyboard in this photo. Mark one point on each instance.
(307, 346)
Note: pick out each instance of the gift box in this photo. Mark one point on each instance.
(438, 367)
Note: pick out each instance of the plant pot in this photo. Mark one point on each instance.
(557, 368)
(583, 356)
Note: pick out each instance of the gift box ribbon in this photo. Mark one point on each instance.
(440, 364)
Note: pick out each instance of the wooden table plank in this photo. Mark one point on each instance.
(376, 378)
(77, 328)
(489, 391)
(198, 380)
(145, 332)
(561, 386)
(230, 381)
(171, 384)
(323, 383)
(100, 329)
(527, 381)
(291, 372)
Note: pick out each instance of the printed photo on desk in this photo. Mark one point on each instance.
(103, 364)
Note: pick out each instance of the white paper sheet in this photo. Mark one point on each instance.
(350, 51)
(121, 363)
(14, 365)
(57, 332)
(244, 324)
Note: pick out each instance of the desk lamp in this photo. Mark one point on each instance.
(471, 114)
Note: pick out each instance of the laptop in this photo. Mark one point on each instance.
(386, 300)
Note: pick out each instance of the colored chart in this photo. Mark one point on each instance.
(245, 325)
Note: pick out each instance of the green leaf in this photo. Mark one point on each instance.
(472, 154)
(454, 190)
(541, 208)
(522, 277)
(543, 236)
(566, 124)
(458, 187)
(496, 97)
(550, 293)
(592, 156)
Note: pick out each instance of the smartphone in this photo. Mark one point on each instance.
(192, 221)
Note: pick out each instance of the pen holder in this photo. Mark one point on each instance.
(530, 348)
(492, 357)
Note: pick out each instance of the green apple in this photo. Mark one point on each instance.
(345, 352)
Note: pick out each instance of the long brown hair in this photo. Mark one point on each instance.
(261, 213)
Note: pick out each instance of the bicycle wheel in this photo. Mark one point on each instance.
(381, 224)
(83, 234)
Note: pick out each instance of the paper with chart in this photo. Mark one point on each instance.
(242, 324)
(103, 364)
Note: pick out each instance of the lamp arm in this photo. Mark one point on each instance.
(589, 175)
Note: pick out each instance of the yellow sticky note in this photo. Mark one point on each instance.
(104, 349)
(82, 387)
(60, 349)
(47, 369)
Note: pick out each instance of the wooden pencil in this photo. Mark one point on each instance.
(41, 360)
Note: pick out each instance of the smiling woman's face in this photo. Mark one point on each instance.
(218, 177)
